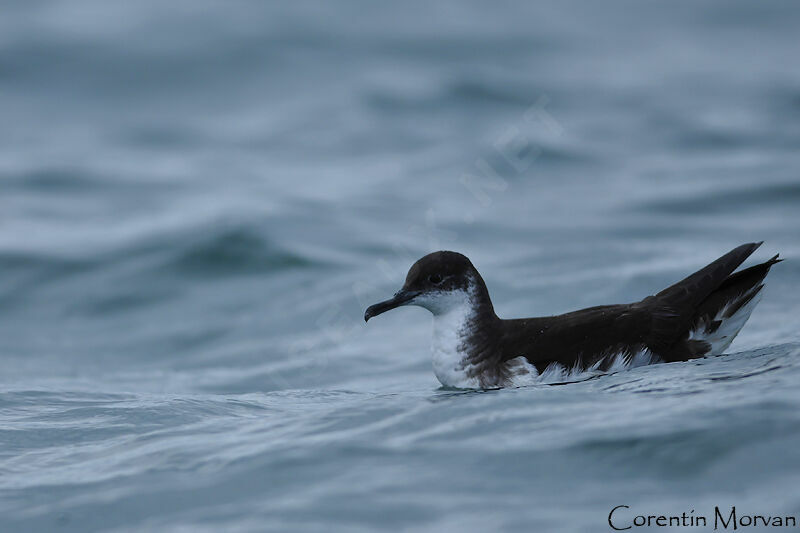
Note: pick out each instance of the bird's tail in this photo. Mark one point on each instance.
(724, 312)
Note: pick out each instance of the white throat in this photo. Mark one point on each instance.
(452, 315)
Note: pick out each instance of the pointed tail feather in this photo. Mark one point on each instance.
(675, 307)
(689, 292)
(721, 316)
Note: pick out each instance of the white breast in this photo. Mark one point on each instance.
(450, 332)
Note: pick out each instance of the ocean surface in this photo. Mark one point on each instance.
(199, 199)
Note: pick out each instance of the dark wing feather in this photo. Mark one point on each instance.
(659, 322)
(577, 339)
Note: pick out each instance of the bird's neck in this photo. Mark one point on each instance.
(465, 345)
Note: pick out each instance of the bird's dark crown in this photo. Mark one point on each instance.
(440, 271)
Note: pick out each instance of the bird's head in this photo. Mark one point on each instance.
(439, 282)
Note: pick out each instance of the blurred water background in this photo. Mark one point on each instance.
(199, 199)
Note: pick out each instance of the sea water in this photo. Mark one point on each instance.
(198, 200)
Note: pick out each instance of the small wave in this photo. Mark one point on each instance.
(11, 261)
(53, 180)
(24, 271)
(720, 201)
(479, 91)
(233, 251)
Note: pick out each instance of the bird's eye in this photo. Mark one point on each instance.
(435, 279)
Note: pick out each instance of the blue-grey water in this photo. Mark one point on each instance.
(199, 199)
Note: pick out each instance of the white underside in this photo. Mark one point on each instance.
(451, 372)
(449, 332)
(556, 373)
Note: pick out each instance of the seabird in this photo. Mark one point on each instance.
(473, 348)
